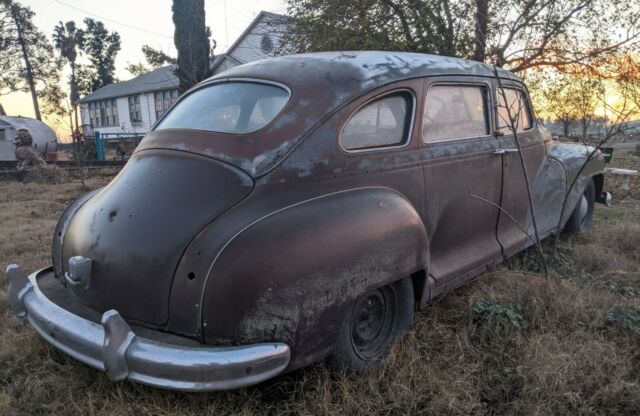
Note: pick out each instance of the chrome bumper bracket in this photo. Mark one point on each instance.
(19, 285)
(117, 338)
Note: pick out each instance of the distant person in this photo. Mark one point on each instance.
(120, 152)
(26, 155)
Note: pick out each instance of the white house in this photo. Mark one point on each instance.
(133, 106)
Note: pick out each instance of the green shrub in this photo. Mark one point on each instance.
(628, 318)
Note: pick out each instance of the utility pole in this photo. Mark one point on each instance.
(25, 54)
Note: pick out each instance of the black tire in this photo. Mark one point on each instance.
(582, 216)
(374, 322)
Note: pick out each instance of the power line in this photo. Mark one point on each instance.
(114, 21)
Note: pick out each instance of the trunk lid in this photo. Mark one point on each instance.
(136, 229)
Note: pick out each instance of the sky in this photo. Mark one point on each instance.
(138, 22)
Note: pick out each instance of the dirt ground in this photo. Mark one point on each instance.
(507, 344)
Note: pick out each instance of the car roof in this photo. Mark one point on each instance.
(349, 72)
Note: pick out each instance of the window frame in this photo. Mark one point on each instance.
(136, 102)
(164, 97)
(486, 85)
(409, 132)
(528, 106)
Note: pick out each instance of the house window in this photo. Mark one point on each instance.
(164, 100)
(135, 113)
(104, 113)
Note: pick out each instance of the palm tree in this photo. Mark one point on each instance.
(68, 39)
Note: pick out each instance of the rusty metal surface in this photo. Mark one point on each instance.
(137, 227)
(269, 236)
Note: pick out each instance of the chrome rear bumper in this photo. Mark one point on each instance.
(113, 347)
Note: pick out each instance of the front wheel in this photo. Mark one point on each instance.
(374, 322)
(582, 216)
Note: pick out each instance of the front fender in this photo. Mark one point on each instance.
(291, 275)
(572, 156)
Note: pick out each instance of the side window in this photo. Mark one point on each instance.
(383, 122)
(455, 112)
(517, 107)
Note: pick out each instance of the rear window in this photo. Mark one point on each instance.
(231, 107)
(381, 123)
(455, 112)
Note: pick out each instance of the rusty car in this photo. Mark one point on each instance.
(297, 209)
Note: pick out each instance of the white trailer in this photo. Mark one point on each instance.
(44, 139)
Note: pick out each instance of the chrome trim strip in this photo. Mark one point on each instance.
(114, 348)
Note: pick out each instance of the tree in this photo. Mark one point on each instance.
(557, 101)
(27, 63)
(137, 69)
(586, 93)
(627, 78)
(155, 59)
(68, 39)
(517, 34)
(191, 38)
(101, 48)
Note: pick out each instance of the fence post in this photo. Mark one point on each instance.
(99, 148)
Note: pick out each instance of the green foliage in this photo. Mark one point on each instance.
(627, 318)
(138, 69)
(192, 43)
(518, 34)
(27, 62)
(155, 57)
(493, 314)
(68, 40)
(101, 48)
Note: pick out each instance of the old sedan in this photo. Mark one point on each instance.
(299, 208)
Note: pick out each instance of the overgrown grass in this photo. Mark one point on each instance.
(509, 343)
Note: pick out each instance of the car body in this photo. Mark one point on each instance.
(236, 241)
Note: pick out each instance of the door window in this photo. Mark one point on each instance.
(455, 112)
(516, 105)
(381, 123)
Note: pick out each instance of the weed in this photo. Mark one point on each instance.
(627, 318)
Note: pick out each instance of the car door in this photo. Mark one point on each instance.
(463, 176)
(515, 200)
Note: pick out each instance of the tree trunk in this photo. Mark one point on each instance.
(480, 41)
(74, 95)
(191, 38)
(565, 127)
(27, 62)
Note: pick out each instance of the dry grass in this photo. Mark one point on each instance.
(499, 346)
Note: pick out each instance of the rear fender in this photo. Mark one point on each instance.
(291, 275)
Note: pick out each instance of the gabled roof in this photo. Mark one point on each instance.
(254, 22)
(157, 80)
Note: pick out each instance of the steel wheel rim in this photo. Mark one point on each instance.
(372, 323)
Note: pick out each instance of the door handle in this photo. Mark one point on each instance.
(505, 151)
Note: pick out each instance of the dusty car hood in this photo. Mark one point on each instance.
(136, 229)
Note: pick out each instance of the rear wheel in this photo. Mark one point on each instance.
(582, 216)
(375, 321)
